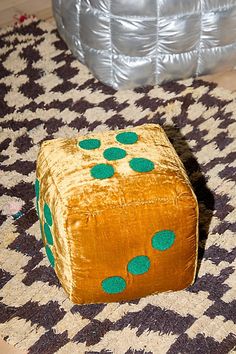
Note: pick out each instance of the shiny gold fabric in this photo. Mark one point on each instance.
(100, 225)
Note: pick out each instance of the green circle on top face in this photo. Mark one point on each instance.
(50, 255)
(47, 214)
(113, 285)
(48, 234)
(127, 138)
(37, 188)
(139, 265)
(141, 165)
(90, 144)
(114, 153)
(102, 171)
(163, 240)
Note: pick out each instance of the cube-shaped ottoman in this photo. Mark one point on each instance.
(118, 216)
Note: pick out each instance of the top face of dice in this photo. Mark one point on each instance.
(110, 163)
(124, 214)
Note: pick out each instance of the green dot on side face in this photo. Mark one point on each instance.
(47, 214)
(37, 188)
(139, 265)
(48, 234)
(102, 171)
(141, 165)
(114, 153)
(163, 240)
(127, 138)
(113, 285)
(90, 144)
(50, 255)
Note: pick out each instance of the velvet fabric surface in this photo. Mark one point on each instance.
(121, 235)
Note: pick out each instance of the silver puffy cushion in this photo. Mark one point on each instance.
(131, 43)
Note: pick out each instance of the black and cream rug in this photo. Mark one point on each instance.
(46, 93)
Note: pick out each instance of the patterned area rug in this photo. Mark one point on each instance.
(46, 93)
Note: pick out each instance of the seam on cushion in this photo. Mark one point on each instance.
(221, 9)
(122, 206)
(180, 53)
(219, 47)
(154, 56)
(133, 17)
(77, 38)
(111, 47)
(177, 170)
(78, 5)
(140, 202)
(203, 49)
(200, 39)
(110, 14)
(60, 197)
(187, 14)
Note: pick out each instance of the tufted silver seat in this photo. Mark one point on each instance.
(131, 43)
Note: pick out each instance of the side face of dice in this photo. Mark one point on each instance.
(124, 214)
(52, 211)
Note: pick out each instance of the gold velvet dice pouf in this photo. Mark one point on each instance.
(118, 216)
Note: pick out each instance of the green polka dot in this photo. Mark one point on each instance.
(139, 265)
(163, 240)
(37, 188)
(141, 165)
(90, 144)
(47, 214)
(50, 256)
(48, 234)
(127, 138)
(102, 171)
(114, 153)
(113, 285)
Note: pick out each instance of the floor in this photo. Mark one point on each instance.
(225, 79)
(12, 9)
(7, 349)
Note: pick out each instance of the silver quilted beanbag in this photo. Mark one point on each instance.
(131, 43)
